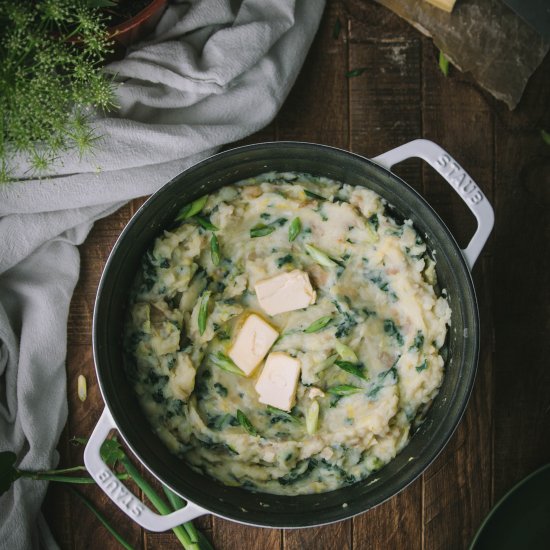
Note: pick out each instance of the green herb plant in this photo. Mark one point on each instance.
(50, 80)
(115, 457)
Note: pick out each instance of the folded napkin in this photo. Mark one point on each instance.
(213, 72)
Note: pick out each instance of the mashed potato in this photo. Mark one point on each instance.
(368, 346)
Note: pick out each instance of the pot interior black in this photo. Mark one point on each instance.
(238, 504)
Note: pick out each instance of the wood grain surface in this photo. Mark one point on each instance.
(505, 432)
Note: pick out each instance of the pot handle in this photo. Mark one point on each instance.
(457, 177)
(115, 490)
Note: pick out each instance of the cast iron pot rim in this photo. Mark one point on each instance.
(418, 466)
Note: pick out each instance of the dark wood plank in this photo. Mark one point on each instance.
(227, 535)
(521, 285)
(385, 99)
(457, 487)
(401, 96)
(317, 107)
(268, 133)
(384, 113)
(337, 535)
(372, 21)
(397, 523)
(93, 255)
(459, 118)
(57, 505)
(83, 417)
(317, 110)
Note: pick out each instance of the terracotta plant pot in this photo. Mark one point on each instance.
(137, 27)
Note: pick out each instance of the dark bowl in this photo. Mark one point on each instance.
(263, 509)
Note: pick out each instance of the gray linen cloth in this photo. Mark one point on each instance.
(213, 72)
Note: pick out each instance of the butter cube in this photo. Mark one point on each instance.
(277, 383)
(252, 343)
(285, 292)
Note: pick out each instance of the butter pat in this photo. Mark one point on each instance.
(285, 292)
(252, 343)
(277, 383)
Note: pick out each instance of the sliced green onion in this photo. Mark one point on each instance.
(203, 311)
(318, 325)
(336, 29)
(245, 423)
(443, 64)
(206, 223)
(345, 352)
(320, 257)
(225, 363)
(344, 390)
(371, 228)
(313, 195)
(294, 229)
(103, 520)
(356, 72)
(280, 412)
(312, 417)
(82, 388)
(422, 367)
(261, 230)
(351, 368)
(192, 209)
(215, 249)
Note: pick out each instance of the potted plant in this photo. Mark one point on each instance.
(51, 53)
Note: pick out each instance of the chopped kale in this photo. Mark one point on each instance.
(158, 396)
(220, 389)
(278, 415)
(220, 421)
(201, 389)
(392, 371)
(301, 471)
(346, 325)
(134, 340)
(422, 367)
(218, 447)
(334, 400)
(379, 282)
(393, 331)
(418, 341)
(374, 392)
(313, 195)
(185, 341)
(373, 220)
(391, 212)
(347, 478)
(154, 378)
(288, 259)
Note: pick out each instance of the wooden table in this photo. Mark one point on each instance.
(505, 433)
